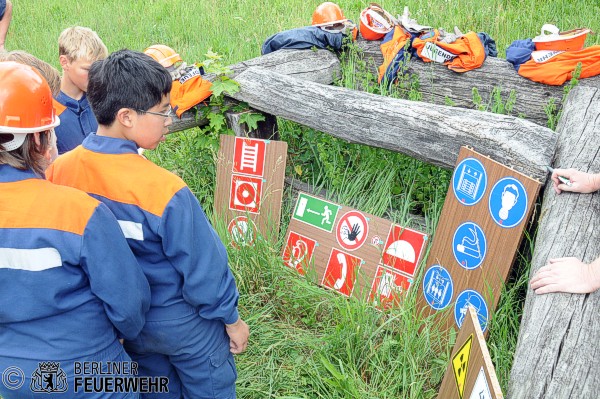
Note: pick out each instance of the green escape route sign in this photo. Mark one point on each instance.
(316, 212)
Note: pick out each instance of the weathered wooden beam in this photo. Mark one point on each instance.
(432, 133)
(557, 353)
(439, 85)
(320, 66)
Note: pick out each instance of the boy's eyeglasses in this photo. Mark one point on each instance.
(168, 114)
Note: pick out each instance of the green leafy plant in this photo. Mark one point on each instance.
(251, 119)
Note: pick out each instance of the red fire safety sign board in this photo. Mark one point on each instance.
(249, 156)
(245, 194)
(298, 252)
(403, 249)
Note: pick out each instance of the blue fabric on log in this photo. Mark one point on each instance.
(519, 52)
(303, 38)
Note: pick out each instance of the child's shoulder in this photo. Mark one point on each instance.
(154, 185)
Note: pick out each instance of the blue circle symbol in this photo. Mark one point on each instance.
(438, 287)
(469, 245)
(13, 378)
(469, 181)
(508, 202)
(474, 299)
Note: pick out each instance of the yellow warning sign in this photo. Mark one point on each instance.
(460, 364)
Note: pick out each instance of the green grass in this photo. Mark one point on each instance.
(307, 342)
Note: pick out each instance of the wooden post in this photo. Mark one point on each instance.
(557, 353)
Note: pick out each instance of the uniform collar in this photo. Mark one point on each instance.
(109, 145)
(74, 105)
(9, 174)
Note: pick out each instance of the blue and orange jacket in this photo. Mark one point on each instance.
(180, 253)
(464, 54)
(69, 284)
(552, 68)
(77, 121)
(189, 91)
(306, 37)
(394, 48)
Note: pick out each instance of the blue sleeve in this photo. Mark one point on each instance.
(114, 274)
(302, 38)
(197, 253)
(519, 52)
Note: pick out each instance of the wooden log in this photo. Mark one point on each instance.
(431, 133)
(557, 352)
(319, 66)
(439, 85)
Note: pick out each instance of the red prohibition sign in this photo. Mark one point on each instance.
(352, 230)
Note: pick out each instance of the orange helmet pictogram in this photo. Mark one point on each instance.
(25, 103)
(328, 13)
(165, 55)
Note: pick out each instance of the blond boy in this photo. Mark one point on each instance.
(78, 48)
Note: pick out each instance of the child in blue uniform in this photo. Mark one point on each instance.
(5, 17)
(78, 48)
(69, 284)
(193, 326)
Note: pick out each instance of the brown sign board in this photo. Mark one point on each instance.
(470, 373)
(351, 252)
(250, 174)
(479, 230)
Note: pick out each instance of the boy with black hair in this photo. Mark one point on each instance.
(193, 326)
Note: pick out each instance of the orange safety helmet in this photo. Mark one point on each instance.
(165, 55)
(375, 22)
(25, 103)
(328, 13)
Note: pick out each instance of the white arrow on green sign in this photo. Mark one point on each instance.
(316, 212)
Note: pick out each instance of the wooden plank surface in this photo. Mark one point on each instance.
(470, 373)
(380, 258)
(237, 186)
(485, 213)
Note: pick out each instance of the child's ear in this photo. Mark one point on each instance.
(126, 117)
(64, 61)
(51, 151)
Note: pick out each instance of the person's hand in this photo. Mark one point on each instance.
(581, 182)
(238, 335)
(567, 275)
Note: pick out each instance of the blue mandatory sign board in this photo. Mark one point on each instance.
(438, 287)
(473, 298)
(508, 202)
(469, 245)
(469, 181)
